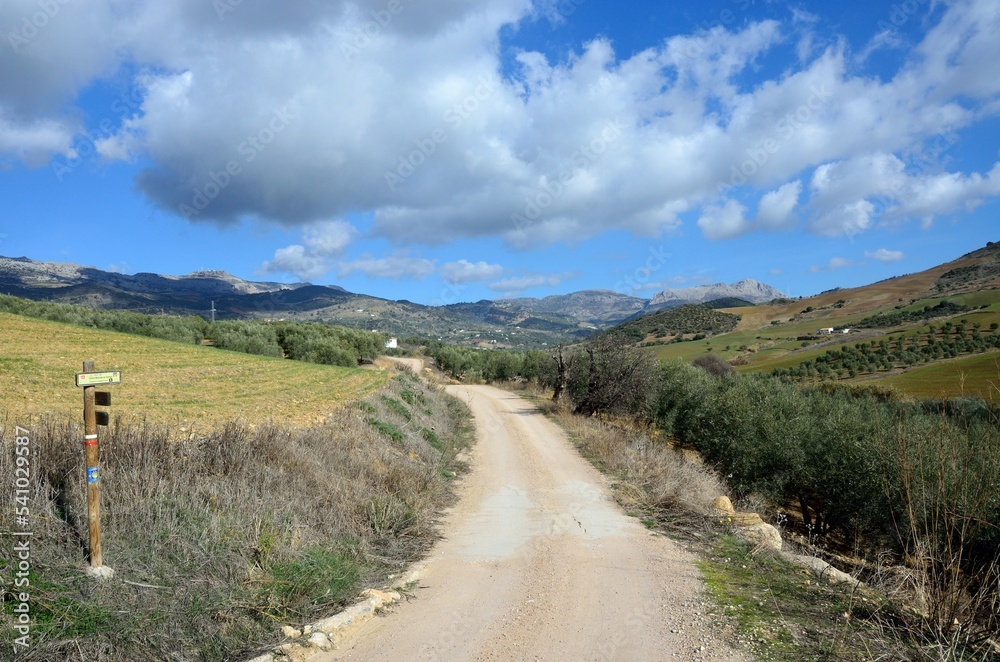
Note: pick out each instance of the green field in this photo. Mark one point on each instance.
(977, 375)
(164, 381)
(778, 346)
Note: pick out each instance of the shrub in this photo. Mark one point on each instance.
(714, 365)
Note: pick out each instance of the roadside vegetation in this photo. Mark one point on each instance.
(908, 492)
(220, 538)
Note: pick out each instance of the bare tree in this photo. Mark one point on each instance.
(620, 379)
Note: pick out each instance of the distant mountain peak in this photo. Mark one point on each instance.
(748, 289)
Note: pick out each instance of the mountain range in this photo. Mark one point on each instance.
(518, 322)
(747, 289)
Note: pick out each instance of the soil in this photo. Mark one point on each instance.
(537, 562)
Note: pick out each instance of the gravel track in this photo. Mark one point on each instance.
(538, 562)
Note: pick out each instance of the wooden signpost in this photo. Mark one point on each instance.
(89, 379)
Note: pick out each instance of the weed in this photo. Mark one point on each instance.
(219, 538)
(387, 430)
(397, 407)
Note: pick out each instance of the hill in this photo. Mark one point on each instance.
(520, 323)
(597, 307)
(728, 302)
(165, 381)
(536, 323)
(748, 289)
(785, 336)
(677, 322)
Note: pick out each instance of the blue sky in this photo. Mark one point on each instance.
(478, 149)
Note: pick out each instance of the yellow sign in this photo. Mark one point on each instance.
(98, 378)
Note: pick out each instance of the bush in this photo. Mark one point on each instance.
(714, 365)
(225, 536)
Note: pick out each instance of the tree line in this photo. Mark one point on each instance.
(901, 317)
(885, 354)
(860, 465)
(301, 341)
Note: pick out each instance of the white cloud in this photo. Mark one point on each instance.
(884, 255)
(849, 219)
(836, 263)
(886, 39)
(394, 266)
(329, 238)
(595, 140)
(297, 260)
(724, 222)
(776, 208)
(33, 141)
(323, 243)
(464, 271)
(849, 196)
(775, 212)
(512, 286)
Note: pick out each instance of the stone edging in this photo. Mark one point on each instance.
(329, 632)
(762, 536)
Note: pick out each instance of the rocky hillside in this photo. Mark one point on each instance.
(23, 272)
(523, 322)
(747, 289)
(598, 307)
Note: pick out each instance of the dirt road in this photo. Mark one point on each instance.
(539, 563)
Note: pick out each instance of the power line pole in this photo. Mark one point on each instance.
(213, 312)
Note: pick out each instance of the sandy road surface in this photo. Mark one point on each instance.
(539, 563)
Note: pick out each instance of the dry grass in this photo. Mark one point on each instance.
(650, 477)
(165, 382)
(219, 539)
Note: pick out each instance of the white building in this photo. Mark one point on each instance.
(391, 343)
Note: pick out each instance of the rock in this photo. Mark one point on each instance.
(381, 597)
(723, 507)
(747, 519)
(761, 536)
(319, 640)
(290, 632)
(822, 569)
(101, 572)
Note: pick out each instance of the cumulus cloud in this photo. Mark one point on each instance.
(322, 250)
(835, 263)
(725, 221)
(849, 196)
(775, 212)
(300, 112)
(884, 255)
(322, 244)
(33, 142)
(776, 208)
(393, 266)
(464, 271)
